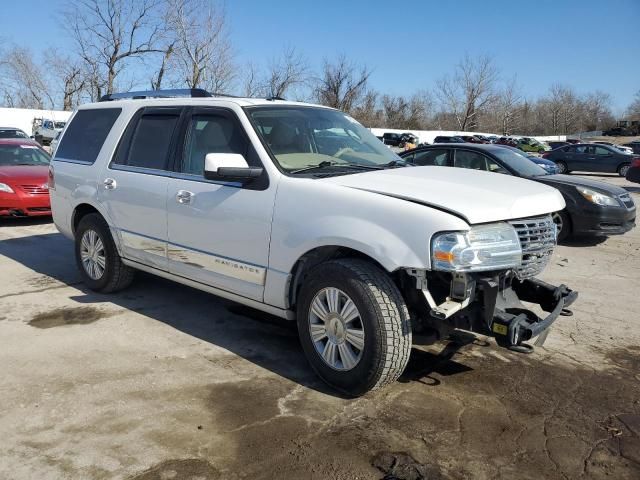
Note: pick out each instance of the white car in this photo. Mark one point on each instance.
(299, 211)
(624, 149)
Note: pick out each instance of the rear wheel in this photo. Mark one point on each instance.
(563, 224)
(562, 167)
(353, 325)
(100, 265)
(623, 169)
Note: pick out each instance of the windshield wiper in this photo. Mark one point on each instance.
(398, 163)
(327, 163)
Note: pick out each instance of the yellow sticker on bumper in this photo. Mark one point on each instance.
(500, 329)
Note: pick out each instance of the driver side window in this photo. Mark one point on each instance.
(210, 133)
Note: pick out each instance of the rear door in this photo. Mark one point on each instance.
(134, 186)
(602, 159)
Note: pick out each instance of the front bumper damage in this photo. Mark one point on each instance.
(493, 306)
(513, 323)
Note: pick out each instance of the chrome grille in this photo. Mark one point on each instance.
(35, 189)
(626, 199)
(537, 239)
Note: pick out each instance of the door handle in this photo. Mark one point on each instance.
(109, 183)
(184, 196)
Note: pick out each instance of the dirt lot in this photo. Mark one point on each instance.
(165, 382)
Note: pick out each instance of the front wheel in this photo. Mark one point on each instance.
(623, 169)
(354, 326)
(97, 257)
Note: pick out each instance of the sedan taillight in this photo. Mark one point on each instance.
(635, 162)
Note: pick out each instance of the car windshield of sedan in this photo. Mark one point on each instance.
(14, 155)
(12, 133)
(520, 163)
(308, 138)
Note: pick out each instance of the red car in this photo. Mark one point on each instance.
(24, 171)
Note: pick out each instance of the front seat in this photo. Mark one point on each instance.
(284, 139)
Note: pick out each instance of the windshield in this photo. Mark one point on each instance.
(304, 137)
(522, 165)
(12, 133)
(12, 155)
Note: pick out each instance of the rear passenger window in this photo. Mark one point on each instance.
(149, 147)
(472, 160)
(86, 134)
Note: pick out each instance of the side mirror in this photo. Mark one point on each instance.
(231, 167)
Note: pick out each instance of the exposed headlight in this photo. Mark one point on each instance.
(597, 197)
(494, 246)
(6, 188)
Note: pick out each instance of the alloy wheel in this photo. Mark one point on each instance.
(92, 254)
(623, 170)
(336, 329)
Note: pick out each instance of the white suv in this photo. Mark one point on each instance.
(299, 211)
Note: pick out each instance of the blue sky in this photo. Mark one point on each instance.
(589, 44)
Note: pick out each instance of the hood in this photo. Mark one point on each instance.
(28, 174)
(603, 187)
(477, 197)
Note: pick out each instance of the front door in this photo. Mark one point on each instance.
(219, 232)
(134, 186)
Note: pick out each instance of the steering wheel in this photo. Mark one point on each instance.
(342, 151)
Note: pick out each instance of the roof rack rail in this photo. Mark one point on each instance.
(172, 93)
(274, 97)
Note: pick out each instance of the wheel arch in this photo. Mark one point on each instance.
(85, 208)
(315, 257)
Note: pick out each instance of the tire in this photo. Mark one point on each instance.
(97, 257)
(562, 167)
(623, 169)
(563, 221)
(381, 324)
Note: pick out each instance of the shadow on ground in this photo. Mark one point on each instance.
(266, 340)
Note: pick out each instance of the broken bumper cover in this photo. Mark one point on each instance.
(511, 322)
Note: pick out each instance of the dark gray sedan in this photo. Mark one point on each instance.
(589, 157)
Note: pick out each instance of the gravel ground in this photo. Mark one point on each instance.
(165, 382)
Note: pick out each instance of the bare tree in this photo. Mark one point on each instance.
(156, 81)
(508, 105)
(342, 84)
(69, 77)
(368, 112)
(596, 111)
(202, 47)
(469, 90)
(25, 83)
(287, 71)
(252, 85)
(634, 108)
(109, 33)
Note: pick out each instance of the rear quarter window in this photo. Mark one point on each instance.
(86, 134)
